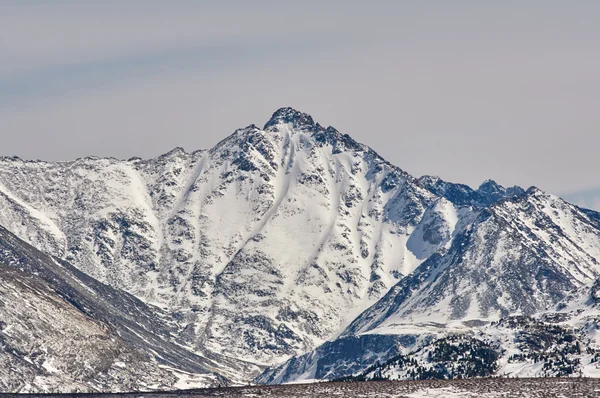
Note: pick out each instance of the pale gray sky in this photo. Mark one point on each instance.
(467, 90)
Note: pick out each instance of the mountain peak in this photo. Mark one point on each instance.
(174, 152)
(533, 190)
(290, 115)
(490, 186)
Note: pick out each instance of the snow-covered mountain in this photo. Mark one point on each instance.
(285, 239)
(520, 255)
(561, 342)
(262, 247)
(517, 257)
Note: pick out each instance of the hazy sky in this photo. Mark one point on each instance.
(467, 90)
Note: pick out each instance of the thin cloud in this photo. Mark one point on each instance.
(44, 84)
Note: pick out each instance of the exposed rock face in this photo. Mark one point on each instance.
(489, 192)
(61, 330)
(49, 345)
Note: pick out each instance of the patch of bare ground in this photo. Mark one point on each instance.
(496, 387)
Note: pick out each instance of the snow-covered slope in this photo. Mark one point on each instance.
(564, 341)
(519, 256)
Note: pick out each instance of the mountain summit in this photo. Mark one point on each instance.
(289, 115)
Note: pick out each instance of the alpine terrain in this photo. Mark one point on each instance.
(285, 253)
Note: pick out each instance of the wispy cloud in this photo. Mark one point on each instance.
(70, 79)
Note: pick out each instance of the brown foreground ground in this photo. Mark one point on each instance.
(531, 388)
